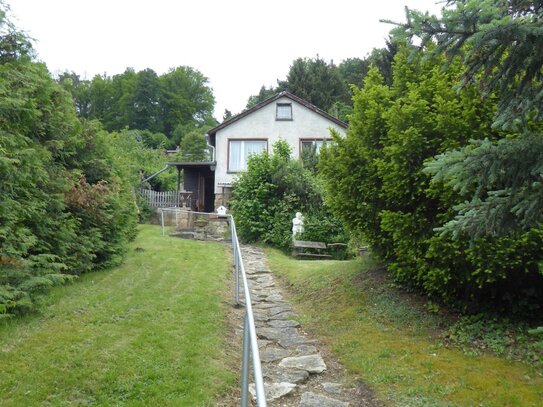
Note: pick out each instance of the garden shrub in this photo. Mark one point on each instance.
(66, 206)
(377, 185)
(267, 196)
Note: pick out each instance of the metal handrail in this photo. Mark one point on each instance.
(250, 343)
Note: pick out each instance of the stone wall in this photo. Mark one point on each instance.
(209, 226)
(223, 198)
(212, 227)
(177, 219)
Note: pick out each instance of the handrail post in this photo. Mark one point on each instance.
(237, 256)
(162, 218)
(236, 276)
(245, 364)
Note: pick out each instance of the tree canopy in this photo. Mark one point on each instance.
(144, 100)
(14, 44)
(326, 85)
(500, 43)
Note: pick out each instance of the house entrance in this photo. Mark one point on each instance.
(205, 194)
(199, 180)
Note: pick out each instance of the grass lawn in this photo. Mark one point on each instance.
(392, 346)
(148, 333)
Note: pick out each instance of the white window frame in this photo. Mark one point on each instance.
(244, 153)
(280, 116)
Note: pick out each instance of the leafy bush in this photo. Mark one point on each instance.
(135, 160)
(321, 226)
(267, 196)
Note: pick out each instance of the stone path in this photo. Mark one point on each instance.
(295, 373)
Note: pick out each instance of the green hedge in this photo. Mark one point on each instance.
(65, 205)
(377, 185)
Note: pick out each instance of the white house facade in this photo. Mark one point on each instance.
(283, 116)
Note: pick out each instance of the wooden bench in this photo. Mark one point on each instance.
(338, 249)
(307, 249)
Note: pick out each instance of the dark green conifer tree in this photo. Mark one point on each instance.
(501, 43)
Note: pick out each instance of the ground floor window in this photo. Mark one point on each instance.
(239, 152)
(308, 146)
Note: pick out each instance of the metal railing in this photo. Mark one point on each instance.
(250, 344)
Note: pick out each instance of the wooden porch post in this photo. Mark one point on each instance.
(178, 182)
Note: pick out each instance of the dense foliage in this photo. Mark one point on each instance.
(168, 106)
(133, 155)
(65, 204)
(148, 114)
(316, 81)
(193, 147)
(500, 181)
(326, 85)
(377, 185)
(267, 196)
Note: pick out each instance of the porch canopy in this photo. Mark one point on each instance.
(198, 178)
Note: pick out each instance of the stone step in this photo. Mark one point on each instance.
(288, 357)
(183, 235)
(280, 374)
(274, 391)
(310, 363)
(310, 399)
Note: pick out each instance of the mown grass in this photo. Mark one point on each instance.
(391, 345)
(150, 332)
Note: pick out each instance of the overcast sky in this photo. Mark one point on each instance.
(239, 45)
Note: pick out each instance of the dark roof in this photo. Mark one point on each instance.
(183, 164)
(271, 100)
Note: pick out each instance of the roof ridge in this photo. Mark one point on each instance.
(284, 93)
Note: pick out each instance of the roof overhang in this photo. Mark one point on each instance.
(203, 164)
(271, 100)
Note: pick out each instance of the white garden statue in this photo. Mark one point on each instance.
(297, 225)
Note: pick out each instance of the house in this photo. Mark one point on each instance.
(283, 116)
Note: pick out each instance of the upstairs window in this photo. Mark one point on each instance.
(239, 152)
(284, 111)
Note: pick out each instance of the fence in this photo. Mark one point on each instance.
(250, 343)
(167, 199)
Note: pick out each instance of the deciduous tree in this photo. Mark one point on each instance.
(185, 98)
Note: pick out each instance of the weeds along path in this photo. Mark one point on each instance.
(297, 369)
